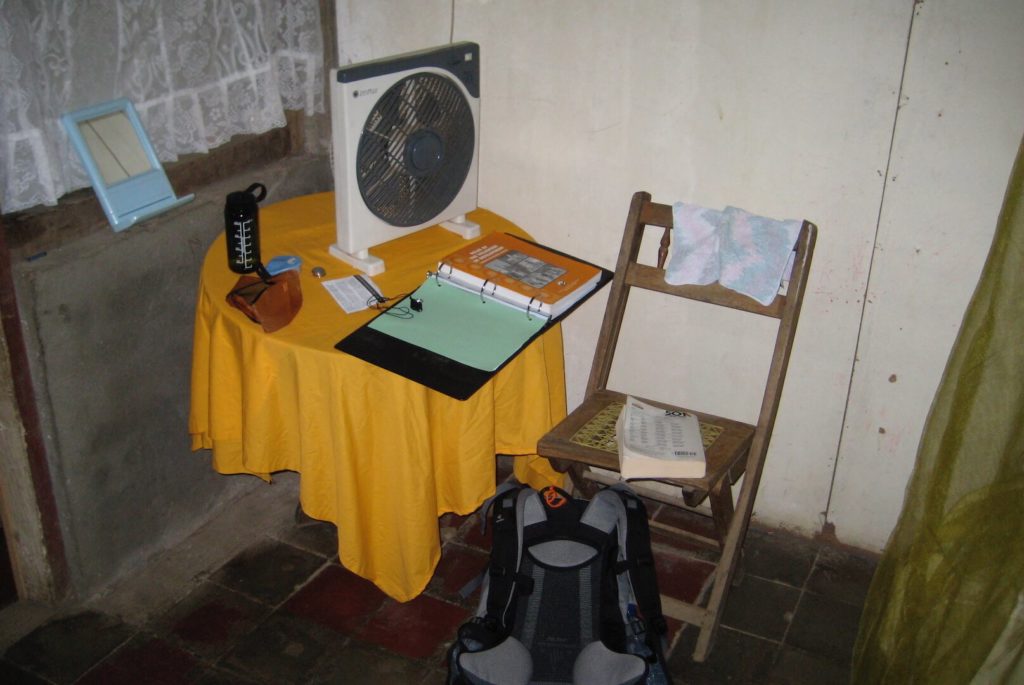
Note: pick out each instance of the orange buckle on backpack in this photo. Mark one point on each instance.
(553, 498)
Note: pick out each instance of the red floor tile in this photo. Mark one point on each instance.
(457, 568)
(472, 536)
(416, 629)
(143, 660)
(679, 576)
(338, 599)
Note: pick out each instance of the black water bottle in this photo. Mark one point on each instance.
(242, 226)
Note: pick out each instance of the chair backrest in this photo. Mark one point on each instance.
(630, 273)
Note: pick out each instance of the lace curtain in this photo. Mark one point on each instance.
(197, 71)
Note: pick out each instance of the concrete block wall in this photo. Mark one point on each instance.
(108, 319)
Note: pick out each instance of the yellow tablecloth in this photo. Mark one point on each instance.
(379, 456)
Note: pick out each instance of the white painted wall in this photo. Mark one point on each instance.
(786, 109)
(958, 129)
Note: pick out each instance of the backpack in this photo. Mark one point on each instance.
(569, 596)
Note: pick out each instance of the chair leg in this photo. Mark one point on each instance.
(583, 486)
(729, 565)
(720, 499)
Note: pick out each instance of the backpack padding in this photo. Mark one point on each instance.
(562, 553)
(607, 511)
(598, 665)
(604, 512)
(568, 537)
(530, 509)
(507, 663)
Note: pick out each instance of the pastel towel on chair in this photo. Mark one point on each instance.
(744, 252)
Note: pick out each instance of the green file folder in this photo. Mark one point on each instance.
(460, 325)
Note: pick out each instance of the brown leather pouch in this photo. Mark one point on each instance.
(272, 304)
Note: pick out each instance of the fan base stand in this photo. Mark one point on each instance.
(371, 265)
(362, 260)
(465, 228)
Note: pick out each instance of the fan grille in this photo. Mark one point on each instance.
(415, 150)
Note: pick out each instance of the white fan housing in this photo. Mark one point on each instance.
(405, 148)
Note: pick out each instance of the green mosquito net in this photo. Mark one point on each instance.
(947, 602)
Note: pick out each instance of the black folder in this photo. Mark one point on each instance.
(433, 369)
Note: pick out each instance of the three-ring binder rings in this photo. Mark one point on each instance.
(519, 273)
(482, 305)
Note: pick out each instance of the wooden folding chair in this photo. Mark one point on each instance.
(739, 448)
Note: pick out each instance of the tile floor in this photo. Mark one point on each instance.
(282, 610)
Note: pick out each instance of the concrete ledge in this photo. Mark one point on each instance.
(108, 325)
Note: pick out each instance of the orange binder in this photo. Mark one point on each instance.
(520, 273)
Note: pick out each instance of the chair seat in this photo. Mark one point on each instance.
(587, 436)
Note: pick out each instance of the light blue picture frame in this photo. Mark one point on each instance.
(129, 180)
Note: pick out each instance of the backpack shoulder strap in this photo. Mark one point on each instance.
(505, 581)
(639, 560)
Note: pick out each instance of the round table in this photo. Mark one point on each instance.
(380, 456)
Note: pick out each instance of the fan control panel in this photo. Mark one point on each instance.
(461, 59)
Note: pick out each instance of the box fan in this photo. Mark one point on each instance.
(405, 144)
